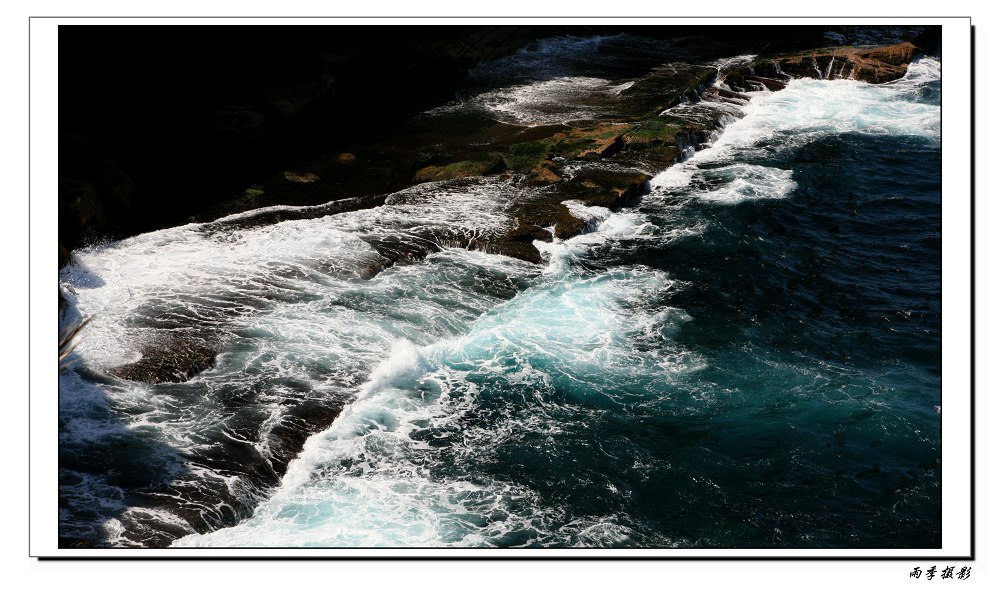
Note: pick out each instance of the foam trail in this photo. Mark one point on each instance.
(603, 226)
(399, 467)
(300, 312)
(561, 100)
(806, 110)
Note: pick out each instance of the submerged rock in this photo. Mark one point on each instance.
(171, 360)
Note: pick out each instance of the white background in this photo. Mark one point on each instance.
(436, 574)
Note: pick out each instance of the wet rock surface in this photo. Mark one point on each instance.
(654, 120)
(170, 360)
(874, 65)
(155, 133)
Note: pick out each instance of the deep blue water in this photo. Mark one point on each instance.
(819, 319)
(813, 420)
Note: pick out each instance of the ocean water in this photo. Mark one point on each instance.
(750, 357)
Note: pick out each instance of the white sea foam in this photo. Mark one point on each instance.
(560, 100)
(290, 309)
(558, 80)
(726, 63)
(365, 481)
(603, 226)
(203, 274)
(374, 479)
(924, 70)
(788, 119)
(812, 107)
(739, 182)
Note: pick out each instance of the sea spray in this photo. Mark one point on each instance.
(399, 466)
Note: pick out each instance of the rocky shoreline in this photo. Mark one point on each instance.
(645, 135)
(660, 118)
(155, 134)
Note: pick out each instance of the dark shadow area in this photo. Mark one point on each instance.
(104, 467)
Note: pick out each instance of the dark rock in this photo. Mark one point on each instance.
(463, 169)
(519, 242)
(769, 83)
(545, 173)
(611, 189)
(170, 360)
(568, 225)
(245, 121)
(604, 148)
(665, 87)
(900, 54)
(80, 202)
(95, 195)
(722, 95)
(729, 94)
(292, 99)
(80, 212)
(875, 65)
(605, 188)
